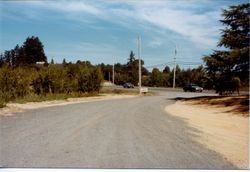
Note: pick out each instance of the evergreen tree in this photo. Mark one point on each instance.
(166, 69)
(29, 53)
(7, 57)
(234, 61)
(131, 57)
(34, 51)
(1, 60)
(21, 58)
(15, 55)
(132, 69)
(64, 61)
(156, 77)
(52, 61)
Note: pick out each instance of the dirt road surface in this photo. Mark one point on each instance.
(122, 133)
(222, 130)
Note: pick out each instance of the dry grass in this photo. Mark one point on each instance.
(51, 97)
(238, 105)
(121, 91)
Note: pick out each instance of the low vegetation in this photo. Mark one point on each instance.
(115, 90)
(46, 83)
(111, 90)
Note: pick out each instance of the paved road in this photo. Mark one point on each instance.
(124, 133)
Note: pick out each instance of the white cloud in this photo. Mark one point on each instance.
(201, 28)
(66, 6)
(155, 42)
(189, 19)
(74, 6)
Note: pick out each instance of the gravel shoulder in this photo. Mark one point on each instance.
(221, 130)
(19, 107)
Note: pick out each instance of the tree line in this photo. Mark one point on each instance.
(24, 70)
(156, 78)
(29, 53)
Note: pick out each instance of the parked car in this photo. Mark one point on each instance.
(192, 88)
(128, 85)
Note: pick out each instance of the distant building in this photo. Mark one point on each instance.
(40, 63)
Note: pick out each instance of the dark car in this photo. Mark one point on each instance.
(192, 88)
(128, 85)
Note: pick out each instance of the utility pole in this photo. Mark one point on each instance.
(113, 77)
(109, 76)
(175, 52)
(139, 57)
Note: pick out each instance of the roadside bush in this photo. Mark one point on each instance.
(14, 82)
(69, 79)
(58, 79)
(95, 79)
(83, 80)
(42, 82)
(227, 87)
(71, 85)
(89, 79)
(2, 103)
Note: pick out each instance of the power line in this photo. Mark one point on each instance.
(171, 63)
(159, 65)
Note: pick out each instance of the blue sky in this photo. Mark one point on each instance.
(107, 30)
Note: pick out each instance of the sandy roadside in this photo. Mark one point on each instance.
(225, 133)
(17, 107)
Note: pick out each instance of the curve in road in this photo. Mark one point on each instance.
(124, 133)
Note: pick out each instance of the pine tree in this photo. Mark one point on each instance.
(16, 55)
(166, 69)
(34, 51)
(52, 61)
(156, 77)
(7, 57)
(131, 57)
(21, 58)
(234, 61)
(1, 60)
(64, 62)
